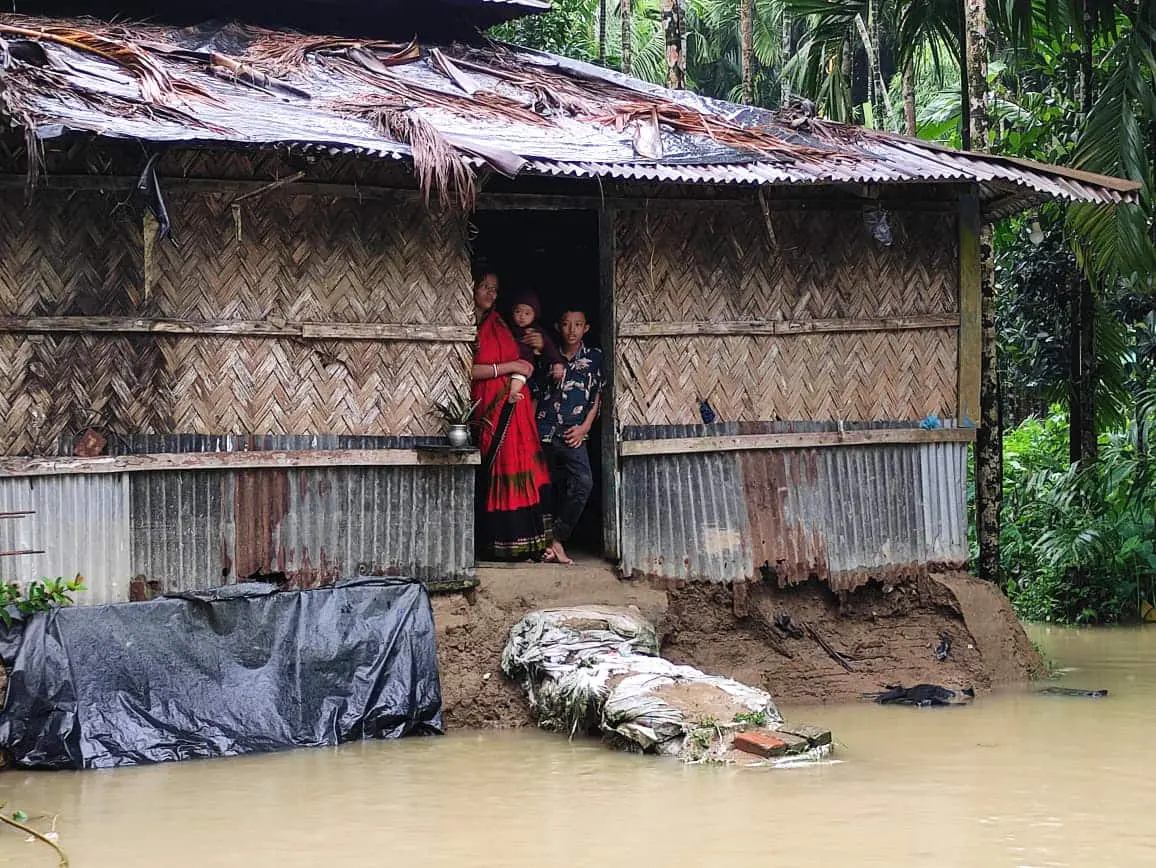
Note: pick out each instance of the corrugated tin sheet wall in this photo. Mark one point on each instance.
(80, 523)
(199, 529)
(840, 513)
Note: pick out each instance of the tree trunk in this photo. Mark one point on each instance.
(1081, 370)
(602, 31)
(1081, 339)
(964, 84)
(784, 56)
(625, 8)
(673, 15)
(874, 64)
(909, 99)
(989, 439)
(747, 48)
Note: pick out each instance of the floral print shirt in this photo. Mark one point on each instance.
(566, 404)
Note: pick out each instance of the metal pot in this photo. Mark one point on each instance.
(458, 435)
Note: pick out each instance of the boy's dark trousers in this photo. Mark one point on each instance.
(572, 481)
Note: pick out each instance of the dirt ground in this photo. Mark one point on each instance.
(886, 634)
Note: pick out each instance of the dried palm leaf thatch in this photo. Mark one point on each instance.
(33, 82)
(437, 164)
(606, 102)
(157, 85)
(286, 53)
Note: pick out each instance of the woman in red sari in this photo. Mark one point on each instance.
(514, 473)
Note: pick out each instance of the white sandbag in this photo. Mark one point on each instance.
(596, 668)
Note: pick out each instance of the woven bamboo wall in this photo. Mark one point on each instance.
(291, 258)
(720, 266)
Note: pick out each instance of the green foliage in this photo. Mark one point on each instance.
(456, 408)
(567, 29)
(1078, 542)
(754, 718)
(39, 596)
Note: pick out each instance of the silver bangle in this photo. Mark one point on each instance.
(495, 372)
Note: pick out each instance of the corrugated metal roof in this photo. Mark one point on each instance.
(515, 110)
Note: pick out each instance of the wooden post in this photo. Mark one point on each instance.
(150, 226)
(967, 412)
(607, 312)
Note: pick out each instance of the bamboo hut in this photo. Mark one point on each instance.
(234, 271)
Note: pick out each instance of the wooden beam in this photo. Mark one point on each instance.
(418, 332)
(611, 529)
(801, 440)
(967, 410)
(738, 197)
(254, 460)
(786, 327)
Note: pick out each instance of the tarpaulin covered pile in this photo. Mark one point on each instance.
(237, 670)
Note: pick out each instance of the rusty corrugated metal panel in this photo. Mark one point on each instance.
(82, 525)
(683, 516)
(182, 528)
(841, 514)
(196, 530)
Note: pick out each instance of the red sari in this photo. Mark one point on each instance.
(511, 524)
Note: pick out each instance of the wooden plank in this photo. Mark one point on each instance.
(254, 460)
(417, 332)
(611, 544)
(388, 332)
(967, 411)
(786, 327)
(803, 440)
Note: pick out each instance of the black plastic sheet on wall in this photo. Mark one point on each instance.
(237, 670)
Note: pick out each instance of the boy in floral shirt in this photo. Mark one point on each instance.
(565, 413)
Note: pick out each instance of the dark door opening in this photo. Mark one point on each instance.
(555, 254)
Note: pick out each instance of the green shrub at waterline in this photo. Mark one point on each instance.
(1078, 543)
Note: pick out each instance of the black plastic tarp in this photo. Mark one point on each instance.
(238, 670)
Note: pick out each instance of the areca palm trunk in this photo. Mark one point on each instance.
(1081, 340)
(989, 437)
(673, 17)
(909, 98)
(626, 16)
(602, 31)
(784, 56)
(747, 48)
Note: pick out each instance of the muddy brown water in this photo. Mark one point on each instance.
(1014, 780)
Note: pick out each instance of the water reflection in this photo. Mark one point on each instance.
(1014, 780)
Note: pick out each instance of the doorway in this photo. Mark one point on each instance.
(555, 254)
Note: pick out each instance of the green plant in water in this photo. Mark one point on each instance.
(39, 596)
(754, 718)
(19, 820)
(1050, 665)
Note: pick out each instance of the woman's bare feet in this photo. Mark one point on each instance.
(559, 553)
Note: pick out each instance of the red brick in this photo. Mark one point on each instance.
(763, 744)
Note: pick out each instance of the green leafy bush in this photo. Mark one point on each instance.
(38, 596)
(1078, 543)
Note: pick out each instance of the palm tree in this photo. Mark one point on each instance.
(726, 61)
(747, 48)
(626, 25)
(838, 30)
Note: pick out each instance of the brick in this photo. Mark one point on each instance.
(760, 743)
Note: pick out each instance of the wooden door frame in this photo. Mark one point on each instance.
(607, 311)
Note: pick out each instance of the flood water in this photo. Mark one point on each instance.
(1014, 780)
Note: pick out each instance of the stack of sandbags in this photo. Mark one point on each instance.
(597, 669)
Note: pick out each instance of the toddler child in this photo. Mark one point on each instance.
(525, 314)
